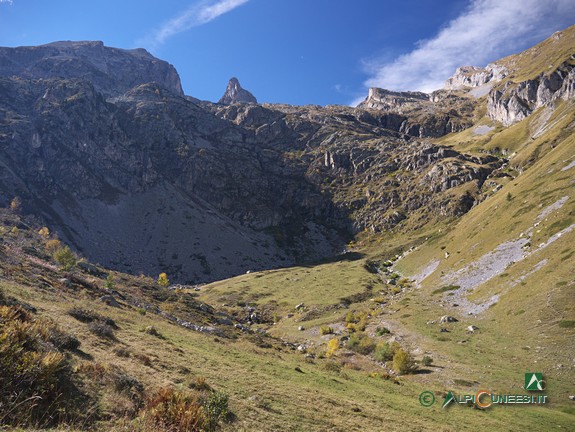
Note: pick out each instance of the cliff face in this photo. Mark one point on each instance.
(420, 114)
(111, 71)
(515, 101)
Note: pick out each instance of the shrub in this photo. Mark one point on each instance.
(384, 351)
(163, 280)
(53, 245)
(153, 331)
(380, 331)
(567, 324)
(200, 383)
(65, 257)
(101, 329)
(122, 352)
(87, 316)
(445, 288)
(403, 362)
(109, 284)
(175, 410)
(64, 341)
(44, 232)
(83, 315)
(215, 408)
(35, 378)
(361, 343)
(146, 360)
(332, 347)
(332, 366)
(356, 321)
(426, 360)
(16, 204)
(325, 330)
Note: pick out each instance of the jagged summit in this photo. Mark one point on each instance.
(236, 94)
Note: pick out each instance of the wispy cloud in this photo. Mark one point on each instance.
(195, 15)
(484, 32)
(6, 1)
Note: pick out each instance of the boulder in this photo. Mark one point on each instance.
(109, 300)
(66, 282)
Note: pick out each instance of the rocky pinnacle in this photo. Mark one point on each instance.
(235, 93)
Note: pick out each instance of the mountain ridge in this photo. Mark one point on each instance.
(295, 183)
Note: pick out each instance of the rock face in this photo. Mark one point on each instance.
(514, 102)
(236, 94)
(111, 71)
(420, 114)
(388, 100)
(471, 76)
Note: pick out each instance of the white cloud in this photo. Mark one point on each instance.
(194, 16)
(6, 1)
(485, 32)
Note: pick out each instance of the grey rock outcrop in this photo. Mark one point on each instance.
(236, 94)
(420, 114)
(472, 76)
(514, 102)
(388, 100)
(111, 71)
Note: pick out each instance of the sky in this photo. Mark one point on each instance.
(298, 51)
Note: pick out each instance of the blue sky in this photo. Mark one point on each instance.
(298, 51)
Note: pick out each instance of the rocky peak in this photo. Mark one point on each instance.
(112, 71)
(236, 94)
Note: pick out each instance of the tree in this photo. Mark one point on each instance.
(332, 347)
(65, 257)
(109, 284)
(403, 362)
(163, 280)
(16, 204)
(44, 232)
(53, 245)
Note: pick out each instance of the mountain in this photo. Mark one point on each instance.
(236, 94)
(146, 180)
(360, 262)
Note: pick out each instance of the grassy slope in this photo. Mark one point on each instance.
(543, 57)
